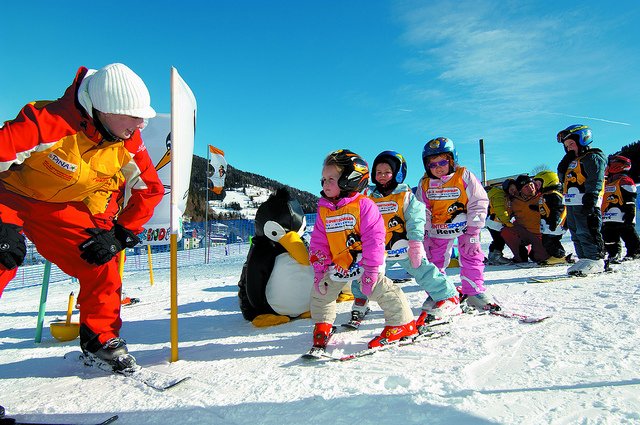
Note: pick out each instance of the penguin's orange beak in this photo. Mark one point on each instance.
(292, 242)
(166, 158)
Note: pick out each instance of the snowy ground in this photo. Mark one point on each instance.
(578, 367)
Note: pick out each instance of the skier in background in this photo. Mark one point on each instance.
(62, 165)
(619, 211)
(498, 217)
(581, 172)
(553, 214)
(525, 231)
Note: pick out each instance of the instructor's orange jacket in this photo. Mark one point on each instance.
(52, 152)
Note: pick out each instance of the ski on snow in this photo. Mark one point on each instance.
(554, 278)
(521, 317)
(11, 421)
(369, 351)
(500, 312)
(561, 277)
(157, 380)
(317, 353)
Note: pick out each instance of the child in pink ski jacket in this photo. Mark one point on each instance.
(456, 209)
(347, 243)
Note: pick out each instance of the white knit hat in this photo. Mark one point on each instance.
(116, 89)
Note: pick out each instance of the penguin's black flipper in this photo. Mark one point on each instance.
(248, 312)
(257, 272)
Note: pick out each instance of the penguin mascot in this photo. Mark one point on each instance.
(276, 280)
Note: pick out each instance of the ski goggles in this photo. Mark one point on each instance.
(440, 163)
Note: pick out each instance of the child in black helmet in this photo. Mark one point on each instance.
(526, 224)
(347, 243)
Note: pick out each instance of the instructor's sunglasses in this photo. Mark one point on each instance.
(440, 163)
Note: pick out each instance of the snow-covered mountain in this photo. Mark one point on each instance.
(237, 180)
(244, 201)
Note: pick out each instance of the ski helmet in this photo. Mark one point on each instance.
(354, 176)
(548, 178)
(395, 161)
(438, 146)
(522, 180)
(579, 133)
(618, 164)
(506, 184)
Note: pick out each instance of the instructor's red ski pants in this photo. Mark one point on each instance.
(57, 230)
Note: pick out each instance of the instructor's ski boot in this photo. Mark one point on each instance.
(113, 353)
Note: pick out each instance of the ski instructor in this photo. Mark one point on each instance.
(63, 164)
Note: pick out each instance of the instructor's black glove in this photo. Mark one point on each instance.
(103, 245)
(13, 246)
(126, 237)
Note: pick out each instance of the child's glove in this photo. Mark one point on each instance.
(369, 279)
(416, 253)
(471, 245)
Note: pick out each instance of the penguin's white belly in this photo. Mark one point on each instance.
(289, 287)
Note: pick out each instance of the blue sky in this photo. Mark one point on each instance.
(279, 84)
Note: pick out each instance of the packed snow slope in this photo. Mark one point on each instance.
(578, 367)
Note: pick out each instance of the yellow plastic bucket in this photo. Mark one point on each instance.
(63, 331)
